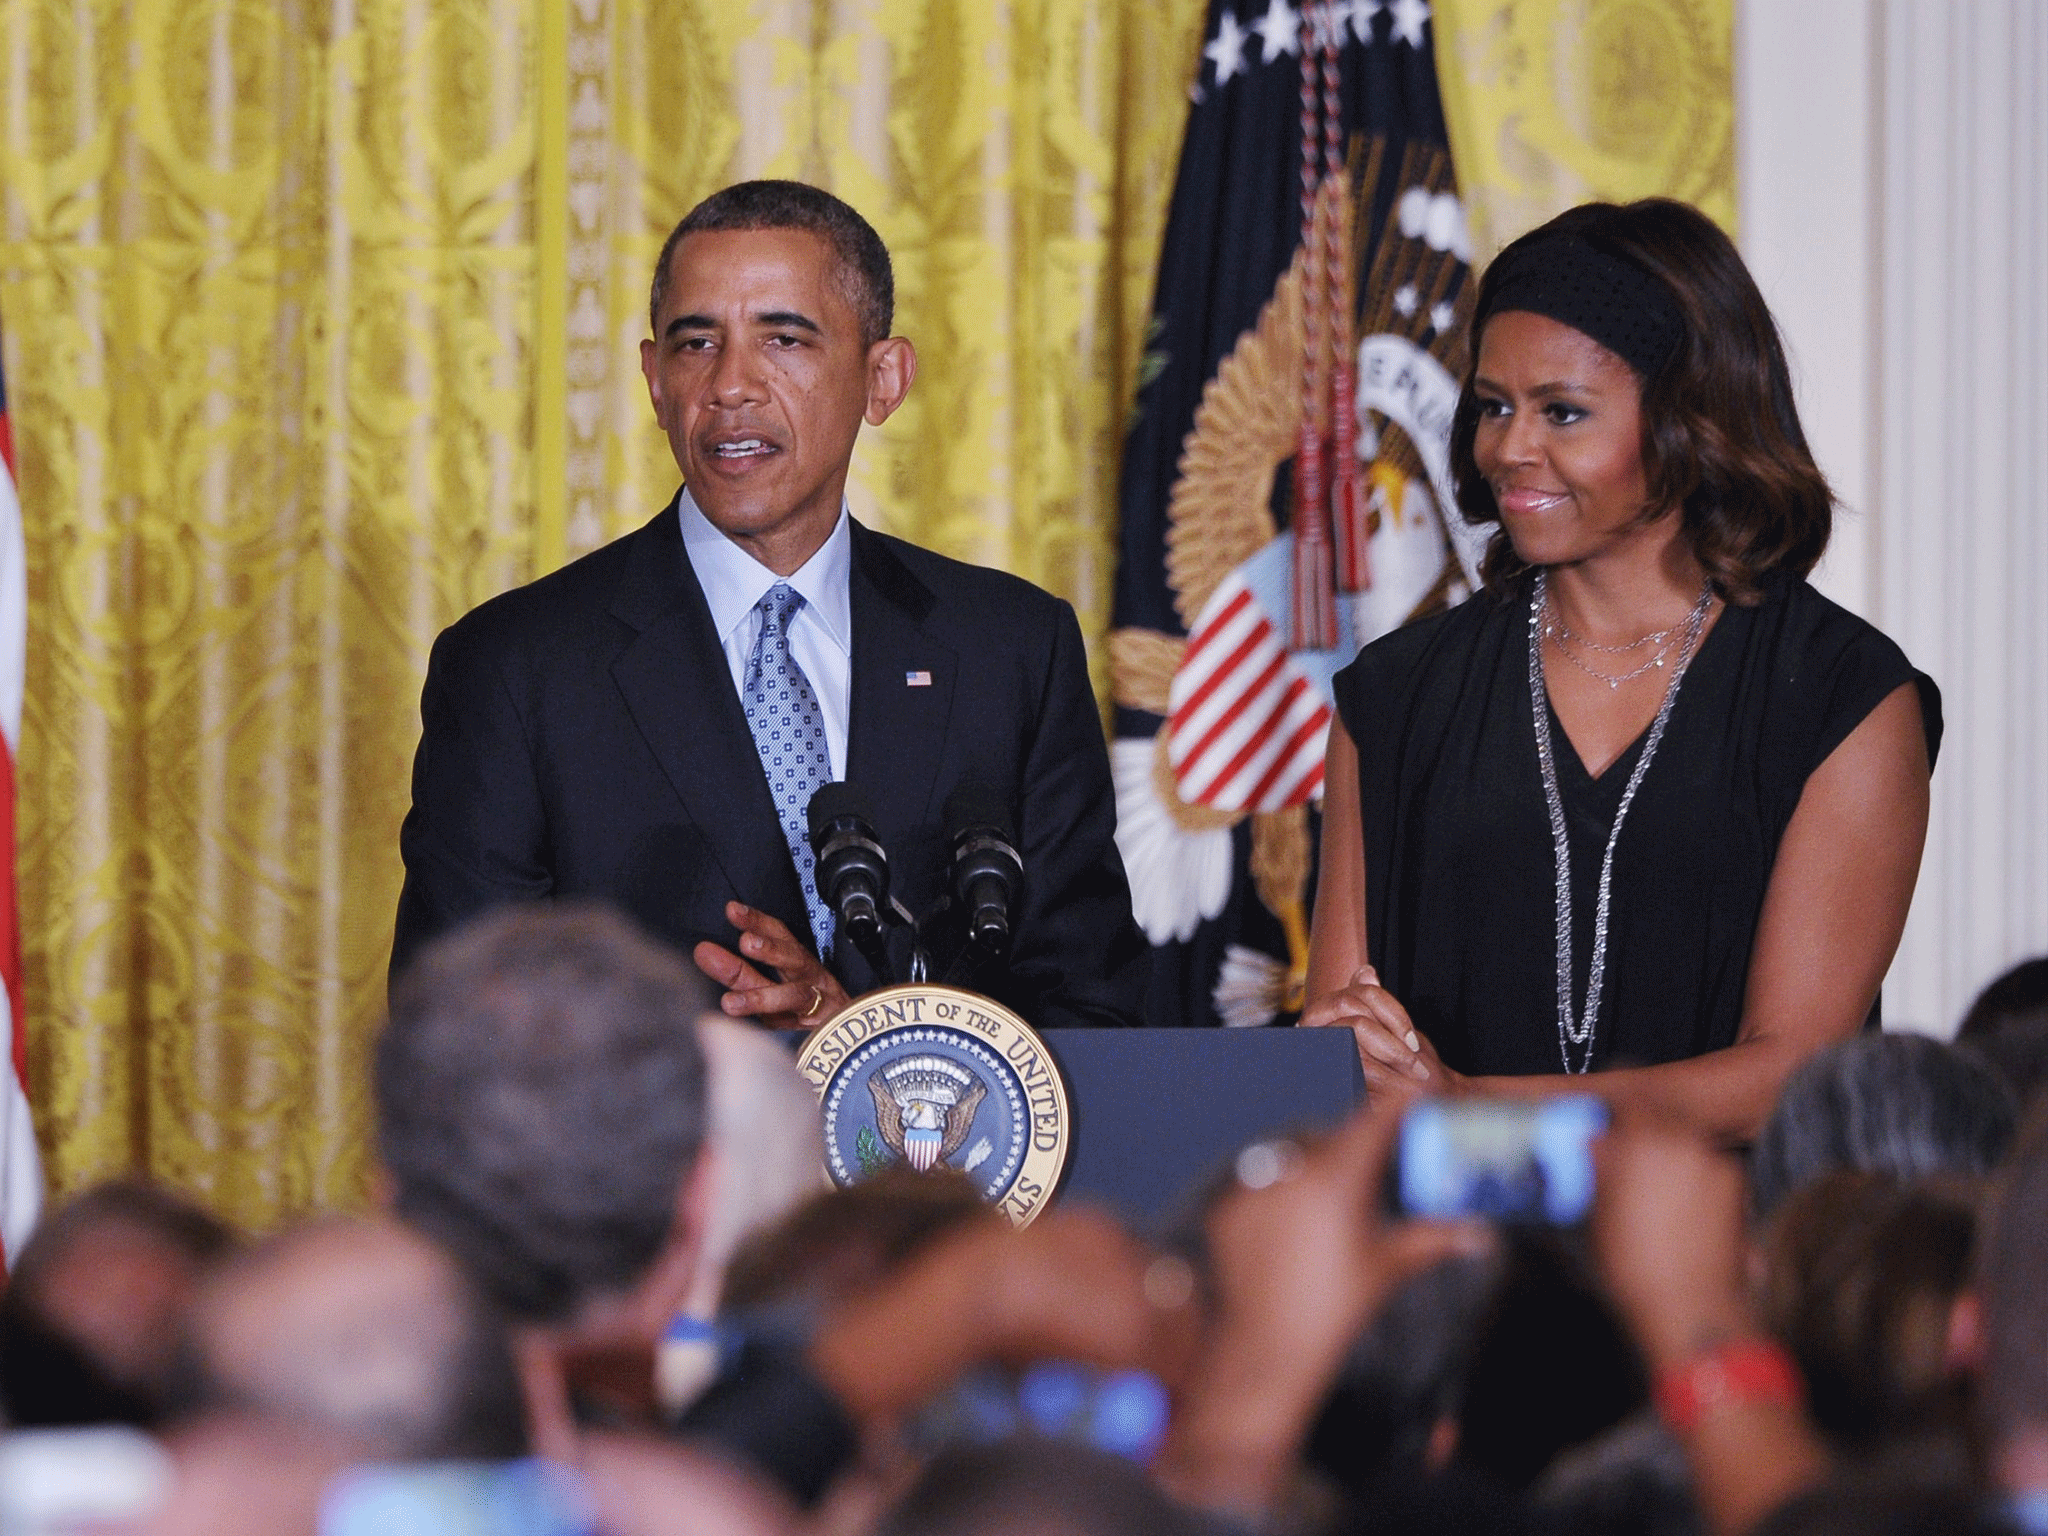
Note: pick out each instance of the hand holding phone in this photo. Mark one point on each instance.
(1300, 1256)
(1668, 1236)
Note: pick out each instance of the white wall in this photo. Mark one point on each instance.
(1893, 173)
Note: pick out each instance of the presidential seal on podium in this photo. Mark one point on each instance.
(936, 1077)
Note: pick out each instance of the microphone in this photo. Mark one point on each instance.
(986, 868)
(853, 871)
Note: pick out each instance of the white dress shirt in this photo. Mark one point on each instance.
(821, 634)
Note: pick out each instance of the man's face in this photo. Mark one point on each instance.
(759, 379)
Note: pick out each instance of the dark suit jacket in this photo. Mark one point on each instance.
(582, 737)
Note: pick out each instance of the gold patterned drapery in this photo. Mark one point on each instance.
(1016, 157)
(321, 319)
(321, 325)
(268, 299)
(1552, 102)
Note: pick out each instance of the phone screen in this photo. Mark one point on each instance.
(1123, 1412)
(484, 1498)
(54, 1481)
(1499, 1159)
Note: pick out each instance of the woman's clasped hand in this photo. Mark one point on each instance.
(1396, 1057)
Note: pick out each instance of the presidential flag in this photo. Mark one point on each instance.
(21, 1168)
(1285, 491)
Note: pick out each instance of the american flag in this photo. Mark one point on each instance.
(1301, 109)
(21, 1168)
(1247, 725)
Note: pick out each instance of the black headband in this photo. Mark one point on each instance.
(1615, 302)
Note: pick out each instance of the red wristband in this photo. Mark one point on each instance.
(1745, 1371)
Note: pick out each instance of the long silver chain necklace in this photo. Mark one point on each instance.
(1575, 1027)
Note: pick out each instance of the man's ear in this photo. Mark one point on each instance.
(664, 1290)
(892, 367)
(651, 375)
(544, 1394)
(693, 1209)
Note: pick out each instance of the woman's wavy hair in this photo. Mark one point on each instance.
(1721, 434)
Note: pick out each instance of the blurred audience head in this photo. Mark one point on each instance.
(1394, 1408)
(1631, 1481)
(1903, 1105)
(362, 1330)
(1030, 1487)
(2018, 1053)
(1883, 1505)
(765, 1144)
(2008, 1028)
(843, 1241)
(2012, 1286)
(1861, 1274)
(541, 1102)
(2016, 999)
(96, 1302)
(1549, 1336)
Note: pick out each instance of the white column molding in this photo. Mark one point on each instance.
(1961, 567)
(1893, 168)
(1806, 178)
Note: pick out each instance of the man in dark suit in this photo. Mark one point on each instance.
(646, 724)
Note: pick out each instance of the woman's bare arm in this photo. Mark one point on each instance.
(1831, 921)
(1336, 942)
(1343, 990)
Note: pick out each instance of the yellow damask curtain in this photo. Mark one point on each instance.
(1552, 102)
(320, 322)
(266, 273)
(1016, 157)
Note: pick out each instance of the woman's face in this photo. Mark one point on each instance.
(1560, 441)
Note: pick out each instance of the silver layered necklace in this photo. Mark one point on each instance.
(1575, 1027)
(1569, 644)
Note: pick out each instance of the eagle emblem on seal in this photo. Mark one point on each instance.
(924, 1108)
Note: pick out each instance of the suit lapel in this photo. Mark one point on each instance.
(902, 688)
(679, 690)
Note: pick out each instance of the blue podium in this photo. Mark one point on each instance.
(1157, 1111)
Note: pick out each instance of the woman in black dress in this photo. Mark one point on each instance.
(1648, 805)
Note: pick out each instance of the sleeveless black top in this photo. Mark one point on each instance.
(1460, 871)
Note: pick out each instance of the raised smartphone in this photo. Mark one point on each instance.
(483, 1498)
(1122, 1412)
(1505, 1160)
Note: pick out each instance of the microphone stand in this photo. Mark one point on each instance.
(920, 958)
(876, 950)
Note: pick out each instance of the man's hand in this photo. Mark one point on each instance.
(805, 997)
(1074, 1285)
(1667, 1233)
(1301, 1257)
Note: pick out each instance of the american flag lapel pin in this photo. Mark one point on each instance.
(917, 679)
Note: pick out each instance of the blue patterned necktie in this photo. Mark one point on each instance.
(789, 733)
